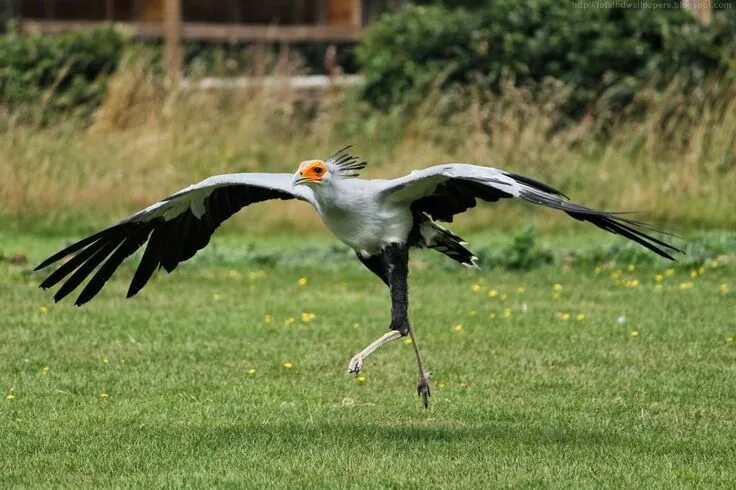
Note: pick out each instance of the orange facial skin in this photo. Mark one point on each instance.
(315, 171)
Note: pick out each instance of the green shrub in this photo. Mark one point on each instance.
(44, 76)
(523, 253)
(603, 53)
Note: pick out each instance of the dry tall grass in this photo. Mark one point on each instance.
(675, 158)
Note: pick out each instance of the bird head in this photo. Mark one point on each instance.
(311, 172)
(340, 165)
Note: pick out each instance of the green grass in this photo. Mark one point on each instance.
(526, 401)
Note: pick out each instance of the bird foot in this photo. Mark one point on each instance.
(355, 364)
(423, 388)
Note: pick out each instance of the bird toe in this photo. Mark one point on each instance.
(423, 389)
(355, 364)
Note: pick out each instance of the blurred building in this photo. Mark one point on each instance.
(216, 20)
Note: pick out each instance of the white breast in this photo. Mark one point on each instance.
(351, 210)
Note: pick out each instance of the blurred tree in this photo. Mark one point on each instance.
(42, 76)
(602, 53)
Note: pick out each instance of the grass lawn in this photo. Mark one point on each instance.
(587, 384)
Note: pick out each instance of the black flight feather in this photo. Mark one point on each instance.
(86, 268)
(70, 265)
(74, 247)
(127, 248)
(148, 264)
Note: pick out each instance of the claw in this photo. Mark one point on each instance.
(423, 388)
(355, 364)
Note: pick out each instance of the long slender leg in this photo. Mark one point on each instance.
(424, 376)
(396, 258)
(356, 363)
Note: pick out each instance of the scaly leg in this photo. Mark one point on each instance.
(424, 376)
(356, 363)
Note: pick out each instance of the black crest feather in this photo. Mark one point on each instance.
(349, 165)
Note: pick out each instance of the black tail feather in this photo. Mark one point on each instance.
(437, 237)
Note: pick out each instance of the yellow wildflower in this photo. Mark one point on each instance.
(493, 315)
(634, 333)
(441, 385)
(361, 379)
(476, 288)
(251, 372)
(503, 297)
(657, 287)
(407, 341)
(233, 274)
(10, 397)
(216, 297)
(580, 317)
(659, 278)
(472, 313)
(520, 290)
(724, 288)
(302, 281)
(507, 313)
(43, 310)
(693, 274)
(701, 270)
(492, 293)
(457, 328)
(267, 319)
(356, 325)
(686, 285)
(289, 321)
(669, 272)
(45, 370)
(729, 340)
(557, 288)
(597, 270)
(104, 396)
(631, 268)
(288, 365)
(105, 360)
(564, 316)
(713, 264)
(256, 275)
(308, 317)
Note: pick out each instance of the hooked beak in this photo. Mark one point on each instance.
(299, 179)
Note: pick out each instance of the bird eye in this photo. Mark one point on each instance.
(318, 170)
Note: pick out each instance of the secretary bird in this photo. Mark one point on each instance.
(379, 219)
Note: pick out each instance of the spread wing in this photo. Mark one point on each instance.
(175, 228)
(443, 191)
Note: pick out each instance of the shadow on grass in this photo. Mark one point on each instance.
(294, 436)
